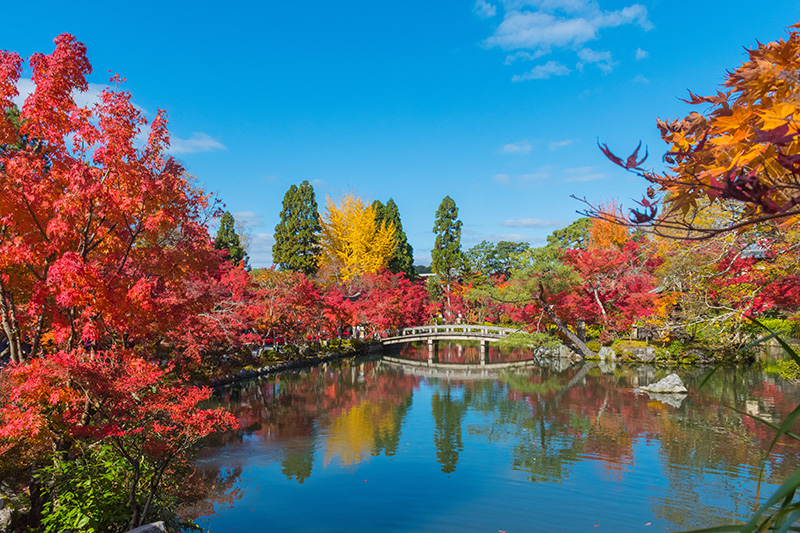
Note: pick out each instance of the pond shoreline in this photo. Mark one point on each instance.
(294, 364)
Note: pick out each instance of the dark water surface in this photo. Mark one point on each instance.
(375, 446)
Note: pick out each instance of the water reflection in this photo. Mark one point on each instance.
(689, 464)
(464, 352)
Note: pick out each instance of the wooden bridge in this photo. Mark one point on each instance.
(450, 332)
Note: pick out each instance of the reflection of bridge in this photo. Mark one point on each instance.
(449, 332)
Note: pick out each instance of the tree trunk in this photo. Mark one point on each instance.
(38, 497)
(600, 304)
(10, 324)
(579, 344)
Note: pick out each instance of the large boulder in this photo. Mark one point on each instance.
(671, 384)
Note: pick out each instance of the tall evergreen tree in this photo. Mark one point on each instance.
(297, 234)
(447, 256)
(228, 239)
(573, 236)
(403, 258)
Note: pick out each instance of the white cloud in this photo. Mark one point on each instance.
(87, 98)
(520, 180)
(640, 79)
(198, 142)
(533, 28)
(641, 54)
(512, 237)
(25, 87)
(582, 174)
(603, 60)
(248, 219)
(523, 56)
(502, 179)
(260, 249)
(532, 223)
(540, 31)
(318, 183)
(533, 176)
(543, 72)
(484, 9)
(555, 145)
(521, 147)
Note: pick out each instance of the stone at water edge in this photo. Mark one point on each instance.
(155, 527)
(671, 384)
(607, 353)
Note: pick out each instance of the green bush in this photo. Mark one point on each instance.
(774, 324)
(675, 349)
(530, 340)
(290, 352)
(594, 330)
(90, 494)
(357, 345)
(594, 346)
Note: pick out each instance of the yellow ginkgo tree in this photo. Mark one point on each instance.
(353, 243)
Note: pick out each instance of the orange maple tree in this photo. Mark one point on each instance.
(744, 149)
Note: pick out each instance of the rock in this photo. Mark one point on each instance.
(645, 354)
(671, 384)
(155, 527)
(700, 356)
(607, 353)
(8, 513)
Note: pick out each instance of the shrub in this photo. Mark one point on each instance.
(675, 349)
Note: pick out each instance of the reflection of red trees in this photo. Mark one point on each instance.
(210, 489)
(554, 418)
(291, 406)
(607, 417)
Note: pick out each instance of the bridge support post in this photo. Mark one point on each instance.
(431, 348)
(483, 353)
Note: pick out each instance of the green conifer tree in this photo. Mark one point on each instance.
(227, 239)
(446, 254)
(297, 234)
(403, 258)
(573, 236)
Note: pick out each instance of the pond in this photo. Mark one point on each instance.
(374, 445)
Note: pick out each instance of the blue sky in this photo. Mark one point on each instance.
(498, 104)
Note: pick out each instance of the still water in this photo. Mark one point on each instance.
(370, 445)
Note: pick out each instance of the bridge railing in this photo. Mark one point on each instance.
(450, 329)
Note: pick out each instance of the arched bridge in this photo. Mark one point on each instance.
(450, 332)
